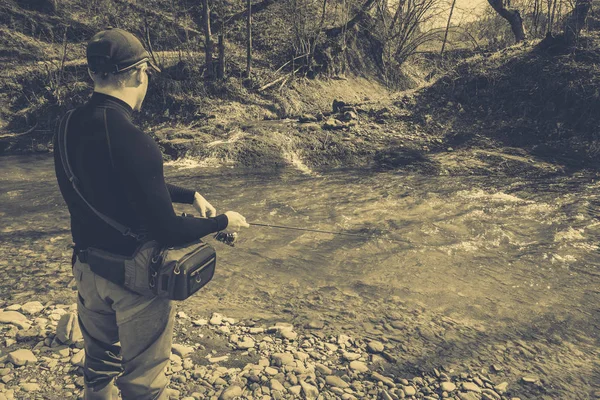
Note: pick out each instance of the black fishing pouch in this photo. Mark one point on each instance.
(172, 272)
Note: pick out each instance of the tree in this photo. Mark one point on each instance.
(207, 39)
(448, 26)
(248, 38)
(513, 16)
(575, 21)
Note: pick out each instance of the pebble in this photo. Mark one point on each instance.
(288, 334)
(448, 386)
(383, 379)
(67, 330)
(410, 390)
(310, 391)
(323, 369)
(295, 390)
(529, 379)
(336, 381)
(78, 359)
(501, 387)
(350, 356)
(216, 319)
(375, 347)
(471, 387)
(200, 322)
(276, 385)
(280, 359)
(14, 318)
(247, 343)
(13, 307)
(32, 307)
(182, 315)
(63, 351)
(30, 387)
(315, 324)
(22, 357)
(181, 350)
(359, 366)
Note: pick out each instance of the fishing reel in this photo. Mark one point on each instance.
(223, 237)
(227, 238)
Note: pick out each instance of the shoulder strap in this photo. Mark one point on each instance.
(62, 146)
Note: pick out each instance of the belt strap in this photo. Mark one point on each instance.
(107, 265)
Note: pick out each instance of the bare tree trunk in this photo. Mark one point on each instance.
(249, 39)
(448, 27)
(207, 40)
(221, 66)
(512, 16)
(575, 21)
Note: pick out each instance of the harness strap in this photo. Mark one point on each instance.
(62, 143)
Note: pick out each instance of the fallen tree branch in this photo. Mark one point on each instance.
(12, 135)
(268, 85)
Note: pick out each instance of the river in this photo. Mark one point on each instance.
(509, 258)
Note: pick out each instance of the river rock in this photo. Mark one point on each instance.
(30, 387)
(276, 385)
(78, 359)
(247, 343)
(468, 396)
(501, 387)
(13, 307)
(281, 359)
(310, 391)
(375, 347)
(529, 379)
(315, 324)
(336, 381)
(29, 334)
(295, 390)
(181, 350)
(410, 390)
(323, 369)
(350, 356)
(288, 334)
(490, 394)
(22, 357)
(448, 386)
(471, 387)
(231, 393)
(359, 366)
(14, 318)
(384, 379)
(32, 307)
(216, 319)
(67, 330)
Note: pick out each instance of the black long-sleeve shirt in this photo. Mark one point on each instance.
(120, 170)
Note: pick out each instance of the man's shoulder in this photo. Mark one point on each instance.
(128, 141)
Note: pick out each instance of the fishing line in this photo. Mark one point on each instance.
(327, 232)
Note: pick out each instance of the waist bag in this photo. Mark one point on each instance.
(174, 272)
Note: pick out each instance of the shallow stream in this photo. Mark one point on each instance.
(511, 257)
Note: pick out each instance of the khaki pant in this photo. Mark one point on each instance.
(126, 336)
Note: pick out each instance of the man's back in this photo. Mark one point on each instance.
(100, 182)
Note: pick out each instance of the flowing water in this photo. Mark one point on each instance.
(510, 256)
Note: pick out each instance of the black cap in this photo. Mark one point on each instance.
(116, 50)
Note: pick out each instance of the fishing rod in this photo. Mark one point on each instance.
(229, 238)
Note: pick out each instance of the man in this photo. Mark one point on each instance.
(120, 170)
